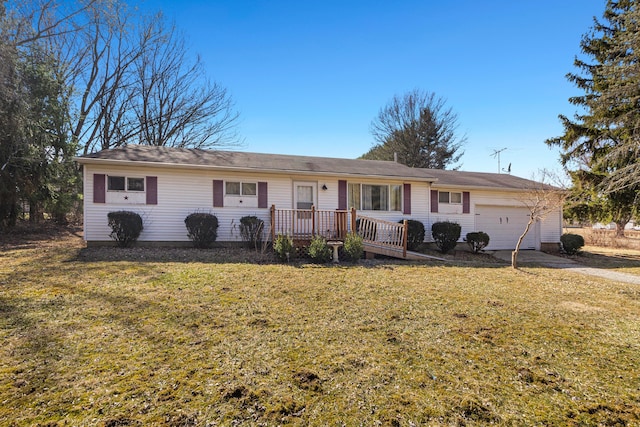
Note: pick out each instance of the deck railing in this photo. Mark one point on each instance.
(392, 235)
(304, 224)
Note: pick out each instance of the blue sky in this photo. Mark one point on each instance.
(309, 77)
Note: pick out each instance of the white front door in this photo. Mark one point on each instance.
(304, 197)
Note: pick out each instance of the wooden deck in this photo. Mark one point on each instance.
(379, 236)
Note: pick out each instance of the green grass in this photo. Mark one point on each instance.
(130, 338)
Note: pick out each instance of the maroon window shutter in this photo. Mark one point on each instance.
(434, 200)
(99, 193)
(342, 195)
(406, 195)
(466, 202)
(152, 190)
(263, 197)
(218, 193)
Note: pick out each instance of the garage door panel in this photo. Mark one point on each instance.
(504, 225)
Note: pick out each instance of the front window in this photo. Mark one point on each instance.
(121, 183)
(370, 197)
(450, 197)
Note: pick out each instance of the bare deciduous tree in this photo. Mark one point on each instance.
(540, 199)
(134, 82)
(177, 105)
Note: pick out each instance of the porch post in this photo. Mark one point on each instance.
(313, 221)
(405, 235)
(353, 220)
(273, 223)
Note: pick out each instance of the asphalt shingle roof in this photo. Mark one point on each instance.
(482, 180)
(238, 160)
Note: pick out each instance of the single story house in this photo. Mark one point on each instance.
(164, 185)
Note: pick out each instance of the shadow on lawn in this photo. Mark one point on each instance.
(239, 255)
(608, 261)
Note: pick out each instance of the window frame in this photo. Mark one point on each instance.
(359, 204)
(448, 201)
(241, 188)
(126, 187)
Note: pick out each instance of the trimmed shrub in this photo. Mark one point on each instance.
(415, 234)
(446, 235)
(202, 229)
(571, 243)
(477, 241)
(125, 226)
(251, 231)
(319, 251)
(353, 247)
(283, 247)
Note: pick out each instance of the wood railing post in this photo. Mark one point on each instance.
(273, 223)
(353, 220)
(405, 235)
(313, 221)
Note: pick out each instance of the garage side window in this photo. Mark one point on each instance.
(450, 197)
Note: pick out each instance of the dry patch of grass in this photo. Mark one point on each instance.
(155, 339)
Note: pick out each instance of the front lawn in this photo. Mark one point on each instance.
(132, 340)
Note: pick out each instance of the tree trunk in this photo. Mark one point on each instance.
(34, 212)
(620, 229)
(514, 254)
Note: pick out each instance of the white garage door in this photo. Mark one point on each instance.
(504, 225)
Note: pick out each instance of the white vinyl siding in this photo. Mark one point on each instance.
(547, 231)
(183, 191)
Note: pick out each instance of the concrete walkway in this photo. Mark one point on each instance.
(529, 257)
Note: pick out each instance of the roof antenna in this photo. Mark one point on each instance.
(496, 153)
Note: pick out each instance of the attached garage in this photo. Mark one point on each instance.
(504, 225)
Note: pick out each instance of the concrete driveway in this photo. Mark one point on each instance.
(529, 258)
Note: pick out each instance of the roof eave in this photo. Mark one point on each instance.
(487, 187)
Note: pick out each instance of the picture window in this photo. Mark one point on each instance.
(375, 197)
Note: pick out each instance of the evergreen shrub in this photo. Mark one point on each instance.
(477, 241)
(353, 247)
(283, 247)
(446, 235)
(126, 227)
(571, 243)
(319, 251)
(202, 228)
(415, 234)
